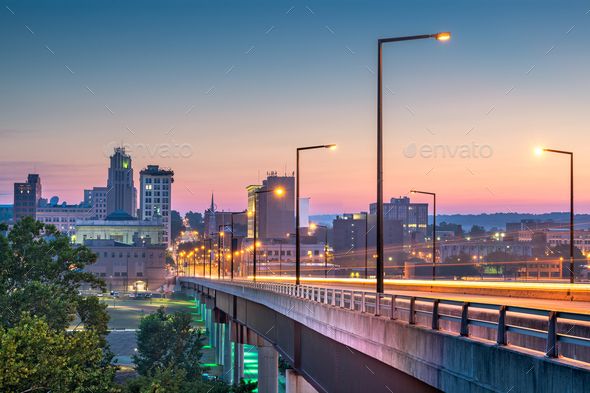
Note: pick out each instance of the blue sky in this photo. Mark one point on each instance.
(224, 91)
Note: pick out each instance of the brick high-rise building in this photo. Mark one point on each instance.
(26, 197)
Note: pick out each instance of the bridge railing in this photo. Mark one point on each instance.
(411, 308)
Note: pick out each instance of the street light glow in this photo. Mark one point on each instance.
(331, 146)
(538, 151)
(443, 36)
(279, 191)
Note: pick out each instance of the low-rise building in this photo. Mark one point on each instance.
(63, 217)
(121, 227)
(127, 267)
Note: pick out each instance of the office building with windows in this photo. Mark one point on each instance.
(155, 197)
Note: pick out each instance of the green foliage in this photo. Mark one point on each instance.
(168, 341)
(176, 225)
(40, 273)
(35, 357)
(195, 220)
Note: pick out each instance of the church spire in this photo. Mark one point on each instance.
(212, 208)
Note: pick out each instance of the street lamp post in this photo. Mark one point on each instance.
(204, 264)
(433, 194)
(277, 191)
(366, 214)
(444, 36)
(220, 234)
(297, 212)
(231, 247)
(325, 228)
(539, 151)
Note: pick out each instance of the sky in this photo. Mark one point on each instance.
(224, 91)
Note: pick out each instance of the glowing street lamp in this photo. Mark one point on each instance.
(441, 36)
(539, 151)
(331, 146)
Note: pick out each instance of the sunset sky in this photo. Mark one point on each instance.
(224, 91)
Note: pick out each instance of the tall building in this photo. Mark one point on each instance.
(353, 231)
(413, 216)
(96, 199)
(155, 196)
(276, 214)
(26, 197)
(121, 194)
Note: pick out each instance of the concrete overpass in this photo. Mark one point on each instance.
(338, 337)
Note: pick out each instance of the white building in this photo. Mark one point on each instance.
(155, 197)
(63, 217)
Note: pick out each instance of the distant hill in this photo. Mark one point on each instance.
(488, 221)
(499, 220)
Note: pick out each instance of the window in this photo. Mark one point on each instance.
(139, 274)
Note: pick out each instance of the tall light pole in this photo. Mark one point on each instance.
(231, 247)
(444, 36)
(540, 151)
(297, 211)
(220, 234)
(279, 191)
(366, 214)
(325, 228)
(433, 194)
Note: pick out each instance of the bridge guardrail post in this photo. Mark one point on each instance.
(435, 315)
(333, 297)
(325, 295)
(552, 335)
(412, 316)
(501, 337)
(352, 296)
(377, 304)
(464, 332)
(393, 306)
(342, 298)
(363, 302)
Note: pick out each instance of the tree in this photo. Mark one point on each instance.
(195, 220)
(35, 357)
(477, 230)
(40, 272)
(460, 265)
(176, 224)
(168, 340)
(40, 275)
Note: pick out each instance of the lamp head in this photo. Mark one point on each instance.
(443, 36)
(539, 151)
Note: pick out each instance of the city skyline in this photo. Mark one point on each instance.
(221, 108)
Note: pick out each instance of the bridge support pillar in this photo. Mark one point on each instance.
(238, 362)
(268, 368)
(227, 353)
(295, 383)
